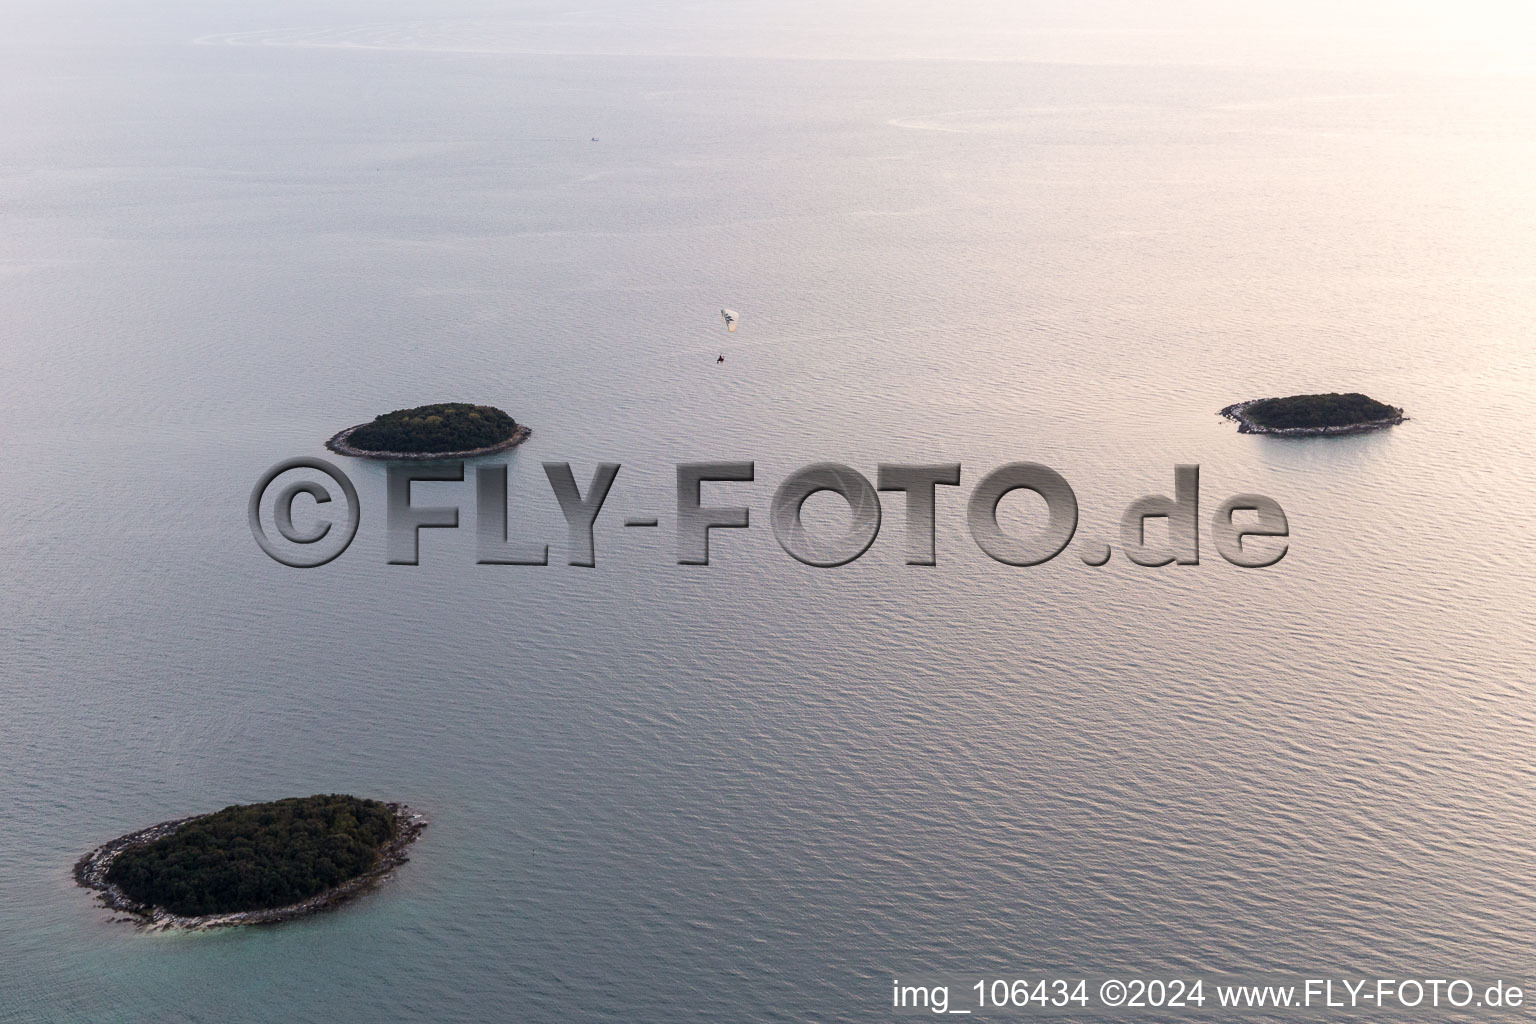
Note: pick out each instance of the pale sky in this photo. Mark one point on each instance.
(1463, 35)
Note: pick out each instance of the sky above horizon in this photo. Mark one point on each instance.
(1493, 36)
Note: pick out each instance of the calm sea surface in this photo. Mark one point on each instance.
(760, 791)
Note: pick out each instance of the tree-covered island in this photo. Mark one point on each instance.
(1310, 415)
(443, 431)
(252, 863)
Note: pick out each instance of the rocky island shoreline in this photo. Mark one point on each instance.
(1312, 415)
(446, 430)
(339, 445)
(91, 873)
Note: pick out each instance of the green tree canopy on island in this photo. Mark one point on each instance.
(1313, 411)
(448, 427)
(257, 856)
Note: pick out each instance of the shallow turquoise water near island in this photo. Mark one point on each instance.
(761, 791)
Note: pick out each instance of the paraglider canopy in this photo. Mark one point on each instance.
(731, 316)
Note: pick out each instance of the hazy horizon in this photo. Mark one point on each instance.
(1473, 36)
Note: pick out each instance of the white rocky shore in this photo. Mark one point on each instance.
(339, 445)
(91, 872)
(1239, 412)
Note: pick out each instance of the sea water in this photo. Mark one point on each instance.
(761, 790)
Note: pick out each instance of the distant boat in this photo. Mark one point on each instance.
(731, 316)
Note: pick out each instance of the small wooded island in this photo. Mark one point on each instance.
(251, 863)
(449, 430)
(1311, 415)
